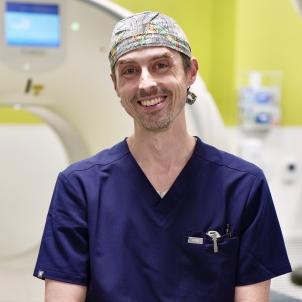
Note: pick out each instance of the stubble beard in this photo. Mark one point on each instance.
(154, 123)
(156, 126)
(160, 124)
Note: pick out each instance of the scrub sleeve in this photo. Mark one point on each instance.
(262, 253)
(64, 253)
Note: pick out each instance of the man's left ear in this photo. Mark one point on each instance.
(192, 72)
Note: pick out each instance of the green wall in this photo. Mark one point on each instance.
(269, 37)
(13, 116)
(222, 81)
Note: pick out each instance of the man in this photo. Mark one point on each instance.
(161, 216)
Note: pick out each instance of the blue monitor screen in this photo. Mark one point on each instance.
(32, 24)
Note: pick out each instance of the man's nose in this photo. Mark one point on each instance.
(146, 80)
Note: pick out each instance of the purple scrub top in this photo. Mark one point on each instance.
(108, 228)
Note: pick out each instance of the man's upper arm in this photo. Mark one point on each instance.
(56, 291)
(258, 292)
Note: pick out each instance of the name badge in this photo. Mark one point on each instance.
(195, 240)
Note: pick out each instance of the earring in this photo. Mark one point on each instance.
(191, 97)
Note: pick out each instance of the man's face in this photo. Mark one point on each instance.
(152, 85)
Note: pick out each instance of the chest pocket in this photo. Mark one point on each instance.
(206, 268)
(214, 245)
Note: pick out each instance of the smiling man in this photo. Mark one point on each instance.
(161, 216)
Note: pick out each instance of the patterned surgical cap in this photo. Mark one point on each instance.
(146, 29)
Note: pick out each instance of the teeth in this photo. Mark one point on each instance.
(152, 102)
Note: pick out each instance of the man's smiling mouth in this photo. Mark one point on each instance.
(152, 102)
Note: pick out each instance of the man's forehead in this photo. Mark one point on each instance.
(148, 53)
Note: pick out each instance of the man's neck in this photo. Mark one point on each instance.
(166, 148)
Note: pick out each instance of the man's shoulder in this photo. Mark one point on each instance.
(101, 159)
(226, 161)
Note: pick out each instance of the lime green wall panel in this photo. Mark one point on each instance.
(13, 116)
(269, 37)
(222, 84)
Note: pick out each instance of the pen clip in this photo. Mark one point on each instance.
(228, 231)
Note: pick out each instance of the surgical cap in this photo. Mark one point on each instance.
(147, 29)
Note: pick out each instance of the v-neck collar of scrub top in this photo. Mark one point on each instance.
(163, 209)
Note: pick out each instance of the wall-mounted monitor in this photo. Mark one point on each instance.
(32, 24)
(33, 33)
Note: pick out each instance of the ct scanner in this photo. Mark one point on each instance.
(64, 79)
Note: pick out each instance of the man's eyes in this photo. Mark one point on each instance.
(160, 66)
